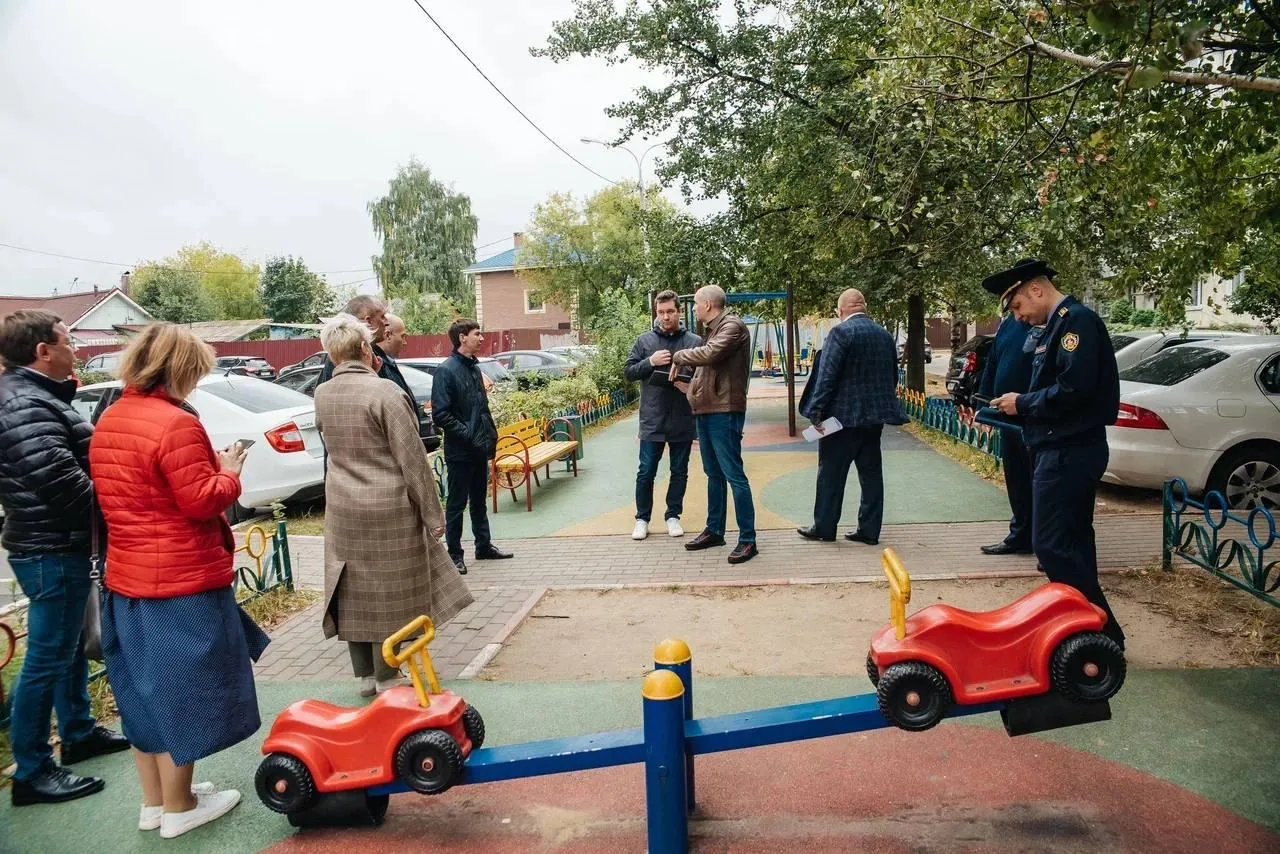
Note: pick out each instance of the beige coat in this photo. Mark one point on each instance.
(382, 565)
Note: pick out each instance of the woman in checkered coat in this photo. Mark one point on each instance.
(384, 563)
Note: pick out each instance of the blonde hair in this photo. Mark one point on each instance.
(166, 355)
(343, 338)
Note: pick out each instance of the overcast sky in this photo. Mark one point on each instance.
(130, 128)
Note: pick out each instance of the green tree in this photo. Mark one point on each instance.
(423, 314)
(428, 237)
(171, 294)
(1260, 298)
(614, 328)
(291, 293)
(1120, 311)
(230, 284)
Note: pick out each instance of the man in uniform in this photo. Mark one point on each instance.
(1008, 369)
(1074, 393)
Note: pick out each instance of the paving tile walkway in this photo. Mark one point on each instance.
(505, 590)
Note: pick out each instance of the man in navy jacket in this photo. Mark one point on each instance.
(857, 384)
(1008, 369)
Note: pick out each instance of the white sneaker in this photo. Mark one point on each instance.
(673, 528)
(641, 530)
(208, 808)
(368, 686)
(149, 817)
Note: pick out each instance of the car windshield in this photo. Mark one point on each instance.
(1172, 366)
(1119, 342)
(255, 395)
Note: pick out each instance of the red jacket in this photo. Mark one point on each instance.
(162, 494)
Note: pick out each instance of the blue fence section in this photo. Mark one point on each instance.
(956, 422)
(1237, 547)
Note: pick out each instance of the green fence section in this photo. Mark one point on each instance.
(1237, 548)
(942, 414)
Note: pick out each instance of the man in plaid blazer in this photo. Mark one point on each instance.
(856, 383)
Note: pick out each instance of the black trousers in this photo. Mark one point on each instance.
(467, 479)
(1065, 486)
(1016, 461)
(858, 446)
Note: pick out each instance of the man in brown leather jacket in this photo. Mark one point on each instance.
(718, 396)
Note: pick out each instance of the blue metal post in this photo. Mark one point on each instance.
(674, 655)
(664, 760)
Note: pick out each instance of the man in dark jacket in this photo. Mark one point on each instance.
(460, 407)
(857, 386)
(1008, 369)
(48, 500)
(665, 416)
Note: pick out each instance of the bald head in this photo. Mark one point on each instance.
(851, 302)
(708, 303)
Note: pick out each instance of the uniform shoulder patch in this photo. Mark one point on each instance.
(1070, 342)
(1062, 312)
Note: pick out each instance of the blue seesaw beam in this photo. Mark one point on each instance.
(756, 728)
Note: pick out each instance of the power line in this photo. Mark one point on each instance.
(159, 266)
(493, 243)
(531, 122)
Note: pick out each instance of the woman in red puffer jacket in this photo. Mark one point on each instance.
(177, 646)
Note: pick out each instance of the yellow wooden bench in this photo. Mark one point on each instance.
(523, 448)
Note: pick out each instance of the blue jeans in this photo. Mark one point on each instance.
(720, 442)
(55, 673)
(650, 456)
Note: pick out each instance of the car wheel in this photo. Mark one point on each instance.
(913, 695)
(238, 513)
(428, 761)
(284, 784)
(1248, 477)
(1088, 667)
(873, 672)
(474, 725)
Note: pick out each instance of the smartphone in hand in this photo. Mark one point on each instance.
(245, 444)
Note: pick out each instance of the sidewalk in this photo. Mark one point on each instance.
(506, 590)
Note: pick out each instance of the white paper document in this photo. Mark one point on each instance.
(831, 425)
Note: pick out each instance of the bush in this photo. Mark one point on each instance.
(91, 377)
(1143, 317)
(547, 401)
(614, 329)
(1119, 311)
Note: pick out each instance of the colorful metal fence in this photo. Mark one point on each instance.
(956, 422)
(1241, 555)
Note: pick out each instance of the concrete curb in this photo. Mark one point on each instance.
(491, 650)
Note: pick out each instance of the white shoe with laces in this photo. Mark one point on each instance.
(208, 808)
(673, 527)
(641, 530)
(149, 818)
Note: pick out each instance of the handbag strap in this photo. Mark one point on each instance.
(97, 560)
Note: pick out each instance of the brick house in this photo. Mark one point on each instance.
(504, 300)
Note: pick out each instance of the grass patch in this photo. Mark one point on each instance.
(1189, 594)
(267, 610)
(979, 462)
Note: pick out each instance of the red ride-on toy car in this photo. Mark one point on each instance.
(419, 734)
(1049, 640)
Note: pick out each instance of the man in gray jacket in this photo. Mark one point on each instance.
(665, 416)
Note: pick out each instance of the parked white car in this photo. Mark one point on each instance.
(1137, 344)
(286, 461)
(1208, 412)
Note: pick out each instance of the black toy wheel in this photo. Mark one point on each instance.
(474, 726)
(428, 761)
(873, 672)
(1088, 667)
(913, 695)
(284, 784)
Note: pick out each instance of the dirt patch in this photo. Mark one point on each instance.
(815, 630)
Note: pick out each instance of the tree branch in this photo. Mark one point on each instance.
(1125, 67)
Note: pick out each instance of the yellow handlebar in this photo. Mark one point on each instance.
(419, 668)
(899, 590)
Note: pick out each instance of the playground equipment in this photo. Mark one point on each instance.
(670, 737)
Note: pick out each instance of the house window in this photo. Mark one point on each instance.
(1234, 282)
(1197, 294)
(534, 304)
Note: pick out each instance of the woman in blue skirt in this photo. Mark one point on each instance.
(177, 647)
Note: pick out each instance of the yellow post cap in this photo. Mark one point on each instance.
(662, 685)
(671, 651)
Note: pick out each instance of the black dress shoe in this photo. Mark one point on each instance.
(855, 537)
(705, 540)
(99, 743)
(493, 553)
(1004, 548)
(461, 565)
(53, 786)
(812, 534)
(743, 552)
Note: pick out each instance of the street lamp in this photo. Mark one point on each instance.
(586, 140)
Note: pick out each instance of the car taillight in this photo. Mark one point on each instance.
(286, 438)
(970, 362)
(1136, 416)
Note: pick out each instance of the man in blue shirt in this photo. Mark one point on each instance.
(1008, 368)
(1073, 395)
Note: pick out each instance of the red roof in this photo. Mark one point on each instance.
(70, 307)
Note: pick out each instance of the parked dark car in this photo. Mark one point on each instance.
(902, 350)
(964, 374)
(315, 360)
(305, 380)
(536, 362)
(492, 370)
(248, 366)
